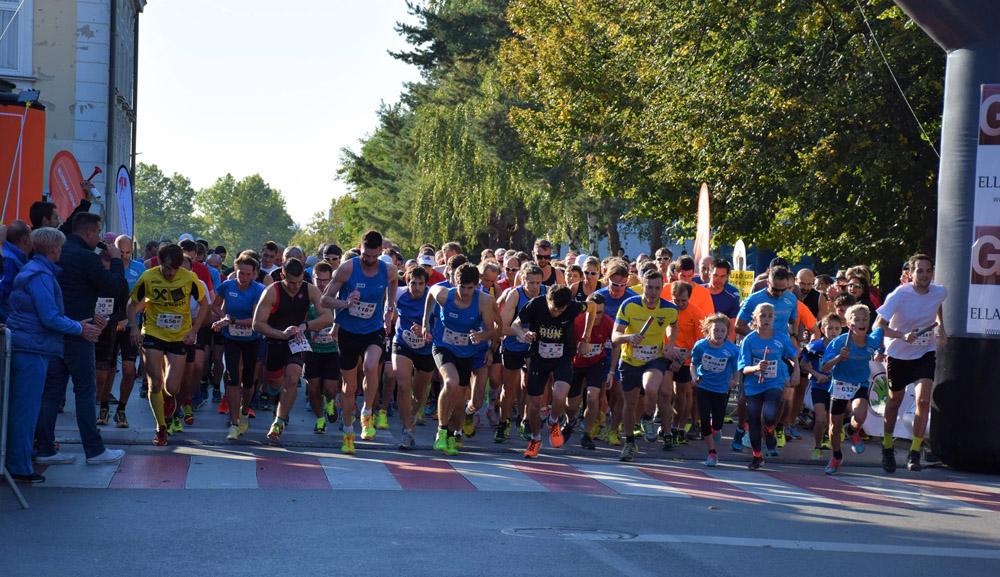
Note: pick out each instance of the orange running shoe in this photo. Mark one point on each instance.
(224, 406)
(251, 414)
(555, 435)
(533, 446)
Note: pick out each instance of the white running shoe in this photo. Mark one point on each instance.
(107, 457)
(56, 459)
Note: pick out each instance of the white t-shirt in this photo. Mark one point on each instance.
(906, 310)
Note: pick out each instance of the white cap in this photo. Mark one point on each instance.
(386, 259)
(426, 259)
(581, 259)
(185, 236)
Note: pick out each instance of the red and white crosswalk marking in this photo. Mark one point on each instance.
(215, 469)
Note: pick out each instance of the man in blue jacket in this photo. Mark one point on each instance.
(15, 255)
(82, 280)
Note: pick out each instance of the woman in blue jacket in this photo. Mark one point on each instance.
(37, 323)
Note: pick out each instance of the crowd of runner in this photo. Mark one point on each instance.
(610, 351)
(656, 350)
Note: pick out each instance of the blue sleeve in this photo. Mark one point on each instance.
(734, 359)
(746, 354)
(832, 350)
(697, 353)
(43, 297)
(789, 351)
(875, 339)
(746, 311)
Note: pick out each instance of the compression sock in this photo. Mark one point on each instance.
(916, 443)
(887, 441)
(156, 404)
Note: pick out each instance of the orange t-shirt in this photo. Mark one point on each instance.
(700, 297)
(689, 328)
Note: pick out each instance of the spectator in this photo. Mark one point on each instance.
(15, 255)
(82, 279)
(38, 323)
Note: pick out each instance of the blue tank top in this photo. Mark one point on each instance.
(410, 311)
(451, 331)
(368, 315)
(240, 305)
(510, 342)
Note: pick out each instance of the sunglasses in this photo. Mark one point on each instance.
(511, 269)
(664, 258)
(619, 284)
(543, 257)
(853, 286)
(591, 273)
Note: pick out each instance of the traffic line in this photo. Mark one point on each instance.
(351, 473)
(233, 471)
(560, 478)
(80, 475)
(697, 483)
(915, 496)
(845, 493)
(980, 496)
(629, 480)
(151, 472)
(428, 475)
(497, 476)
(290, 472)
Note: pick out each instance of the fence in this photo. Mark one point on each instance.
(4, 407)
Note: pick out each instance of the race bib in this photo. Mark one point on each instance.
(169, 321)
(323, 337)
(362, 310)
(240, 331)
(681, 354)
(592, 350)
(455, 338)
(412, 340)
(550, 350)
(645, 352)
(299, 345)
(711, 364)
(921, 341)
(104, 307)
(770, 369)
(844, 391)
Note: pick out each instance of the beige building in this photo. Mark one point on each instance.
(81, 55)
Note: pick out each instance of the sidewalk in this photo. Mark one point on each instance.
(210, 430)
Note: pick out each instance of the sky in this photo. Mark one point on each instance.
(276, 88)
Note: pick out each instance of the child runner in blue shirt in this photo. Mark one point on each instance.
(819, 381)
(714, 359)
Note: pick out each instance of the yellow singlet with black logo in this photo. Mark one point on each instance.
(168, 302)
(632, 315)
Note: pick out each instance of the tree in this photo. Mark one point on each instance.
(243, 214)
(163, 205)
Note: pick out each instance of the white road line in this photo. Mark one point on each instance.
(354, 473)
(911, 494)
(79, 475)
(231, 472)
(768, 488)
(497, 476)
(629, 480)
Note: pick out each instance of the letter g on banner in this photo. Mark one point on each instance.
(989, 116)
(986, 256)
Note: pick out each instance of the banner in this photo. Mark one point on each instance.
(740, 255)
(65, 188)
(984, 283)
(123, 195)
(703, 234)
(743, 280)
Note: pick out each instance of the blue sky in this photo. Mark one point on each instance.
(275, 87)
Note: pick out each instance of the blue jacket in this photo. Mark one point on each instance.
(83, 278)
(37, 321)
(13, 259)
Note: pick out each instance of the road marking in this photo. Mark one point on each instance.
(914, 495)
(428, 475)
(79, 475)
(827, 486)
(629, 480)
(560, 478)
(234, 471)
(151, 472)
(497, 476)
(354, 473)
(700, 484)
(290, 472)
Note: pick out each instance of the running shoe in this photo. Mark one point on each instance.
(441, 442)
(567, 430)
(367, 427)
(406, 441)
(712, 460)
(244, 424)
(613, 439)
(223, 406)
(121, 421)
(648, 430)
(381, 420)
(102, 417)
(913, 461)
(347, 445)
(779, 434)
(555, 435)
(216, 395)
(234, 432)
(175, 426)
(668, 443)
(602, 433)
(737, 444)
(161, 439)
(628, 451)
(637, 430)
(857, 443)
(756, 462)
(816, 454)
(469, 426)
(451, 449)
(274, 435)
(188, 414)
(792, 433)
(728, 420)
(679, 437)
(320, 427)
(459, 443)
(330, 407)
(746, 440)
(832, 467)
(717, 436)
(533, 447)
(825, 445)
(250, 413)
(889, 460)
(503, 429)
(587, 443)
(525, 431)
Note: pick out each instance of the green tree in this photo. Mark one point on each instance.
(163, 204)
(243, 214)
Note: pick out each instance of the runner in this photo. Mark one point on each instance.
(163, 295)
(411, 355)
(689, 327)
(268, 257)
(322, 370)
(514, 351)
(465, 318)
(543, 256)
(365, 303)
(640, 327)
(591, 280)
(663, 259)
(723, 300)
(280, 316)
(615, 293)
(715, 362)
(129, 352)
(819, 381)
(700, 297)
(764, 377)
(847, 359)
(553, 345)
(908, 317)
(592, 368)
(234, 305)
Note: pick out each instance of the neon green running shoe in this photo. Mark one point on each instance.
(452, 447)
(381, 419)
(441, 442)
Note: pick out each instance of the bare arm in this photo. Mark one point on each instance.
(262, 313)
(324, 317)
(341, 276)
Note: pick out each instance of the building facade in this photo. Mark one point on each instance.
(82, 56)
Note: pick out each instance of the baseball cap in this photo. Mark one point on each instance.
(185, 236)
(386, 259)
(426, 259)
(581, 259)
(311, 260)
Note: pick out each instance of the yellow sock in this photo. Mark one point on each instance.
(156, 403)
(887, 441)
(915, 444)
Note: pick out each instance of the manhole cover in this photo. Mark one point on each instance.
(569, 533)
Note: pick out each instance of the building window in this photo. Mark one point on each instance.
(16, 17)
